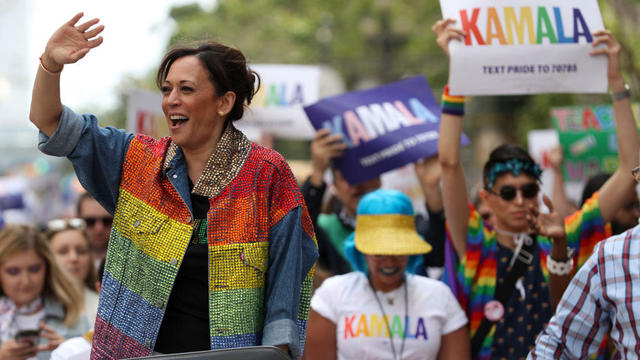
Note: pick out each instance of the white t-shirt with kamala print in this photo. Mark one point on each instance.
(361, 330)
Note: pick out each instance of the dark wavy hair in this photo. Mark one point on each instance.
(227, 68)
(504, 154)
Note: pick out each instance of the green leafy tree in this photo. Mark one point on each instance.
(367, 42)
(364, 40)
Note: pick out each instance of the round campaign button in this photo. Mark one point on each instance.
(493, 310)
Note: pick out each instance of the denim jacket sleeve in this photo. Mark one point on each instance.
(96, 153)
(292, 255)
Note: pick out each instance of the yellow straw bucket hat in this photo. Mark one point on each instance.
(385, 225)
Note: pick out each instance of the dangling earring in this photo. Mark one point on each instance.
(220, 112)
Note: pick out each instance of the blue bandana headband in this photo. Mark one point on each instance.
(514, 166)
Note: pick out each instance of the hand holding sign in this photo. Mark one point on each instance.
(324, 147)
(612, 50)
(444, 33)
(382, 128)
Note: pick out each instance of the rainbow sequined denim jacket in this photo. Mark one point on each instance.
(259, 233)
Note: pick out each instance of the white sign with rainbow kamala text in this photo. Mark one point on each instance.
(277, 107)
(525, 47)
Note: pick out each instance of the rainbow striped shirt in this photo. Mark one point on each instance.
(475, 278)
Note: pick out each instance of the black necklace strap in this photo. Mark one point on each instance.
(386, 318)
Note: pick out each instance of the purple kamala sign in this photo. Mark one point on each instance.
(384, 128)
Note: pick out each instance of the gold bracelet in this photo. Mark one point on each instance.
(49, 71)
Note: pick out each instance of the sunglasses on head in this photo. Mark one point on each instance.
(64, 224)
(91, 221)
(509, 192)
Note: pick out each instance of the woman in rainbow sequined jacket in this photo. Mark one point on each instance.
(212, 246)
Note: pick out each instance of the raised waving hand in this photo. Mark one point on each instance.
(71, 42)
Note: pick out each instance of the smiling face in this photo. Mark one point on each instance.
(71, 251)
(22, 276)
(386, 271)
(510, 215)
(191, 105)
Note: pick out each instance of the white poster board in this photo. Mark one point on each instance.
(525, 47)
(144, 114)
(277, 107)
(541, 142)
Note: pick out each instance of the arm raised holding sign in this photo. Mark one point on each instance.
(580, 322)
(616, 191)
(453, 180)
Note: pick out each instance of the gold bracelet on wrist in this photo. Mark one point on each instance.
(49, 71)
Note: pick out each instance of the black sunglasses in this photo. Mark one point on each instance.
(91, 221)
(509, 192)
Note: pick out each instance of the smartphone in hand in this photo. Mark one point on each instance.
(31, 336)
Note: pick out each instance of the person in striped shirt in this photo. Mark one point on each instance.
(601, 299)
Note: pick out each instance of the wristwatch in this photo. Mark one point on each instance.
(624, 94)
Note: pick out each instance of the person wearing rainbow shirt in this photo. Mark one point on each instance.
(508, 312)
